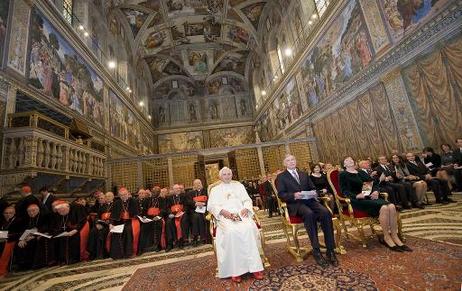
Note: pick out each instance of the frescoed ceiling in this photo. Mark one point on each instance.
(191, 38)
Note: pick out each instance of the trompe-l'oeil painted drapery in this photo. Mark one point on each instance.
(365, 126)
(434, 84)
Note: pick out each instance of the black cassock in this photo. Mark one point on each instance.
(68, 249)
(125, 244)
(36, 254)
(177, 228)
(150, 232)
(98, 243)
(15, 228)
(199, 225)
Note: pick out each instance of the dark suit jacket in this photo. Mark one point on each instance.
(287, 186)
(47, 206)
(388, 172)
(420, 170)
(458, 156)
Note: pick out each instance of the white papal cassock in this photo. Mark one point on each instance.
(236, 241)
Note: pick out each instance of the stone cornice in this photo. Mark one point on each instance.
(200, 127)
(212, 151)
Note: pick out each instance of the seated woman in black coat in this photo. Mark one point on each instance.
(351, 186)
(321, 183)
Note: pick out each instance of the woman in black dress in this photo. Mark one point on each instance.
(319, 180)
(351, 186)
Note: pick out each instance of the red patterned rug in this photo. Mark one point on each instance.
(432, 266)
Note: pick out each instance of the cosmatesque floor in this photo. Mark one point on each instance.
(435, 222)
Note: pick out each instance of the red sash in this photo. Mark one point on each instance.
(84, 233)
(136, 235)
(125, 215)
(105, 216)
(153, 211)
(201, 198)
(176, 208)
(5, 259)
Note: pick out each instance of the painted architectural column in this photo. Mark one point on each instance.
(17, 48)
(406, 123)
(139, 174)
(312, 144)
(261, 160)
(10, 102)
(170, 171)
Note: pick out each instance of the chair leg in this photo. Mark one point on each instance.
(362, 235)
(338, 237)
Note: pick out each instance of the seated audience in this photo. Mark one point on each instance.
(12, 226)
(440, 187)
(403, 175)
(124, 212)
(32, 252)
(433, 162)
(458, 164)
(404, 191)
(352, 184)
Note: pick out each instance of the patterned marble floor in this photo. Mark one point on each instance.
(435, 222)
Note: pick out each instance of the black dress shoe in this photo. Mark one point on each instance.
(332, 258)
(405, 248)
(449, 200)
(420, 205)
(169, 248)
(394, 248)
(320, 259)
(195, 243)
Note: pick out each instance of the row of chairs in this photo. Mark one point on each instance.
(343, 221)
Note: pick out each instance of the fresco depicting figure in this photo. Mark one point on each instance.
(60, 73)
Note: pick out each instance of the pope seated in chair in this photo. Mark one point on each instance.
(237, 236)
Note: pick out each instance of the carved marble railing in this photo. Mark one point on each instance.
(34, 142)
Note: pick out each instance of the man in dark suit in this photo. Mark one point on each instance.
(458, 164)
(403, 190)
(290, 185)
(440, 187)
(47, 200)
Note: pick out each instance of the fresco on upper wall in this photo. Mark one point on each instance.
(135, 19)
(180, 142)
(227, 137)
(265, 127)
(4, 8)
(253, 13)
(403, 16)
(59, 72)
(287, 107)
(225, 85)
(123, 122)
(343, 50)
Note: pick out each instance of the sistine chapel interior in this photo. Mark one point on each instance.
(142, 97)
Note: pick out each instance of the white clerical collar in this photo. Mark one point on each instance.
(46, 197)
